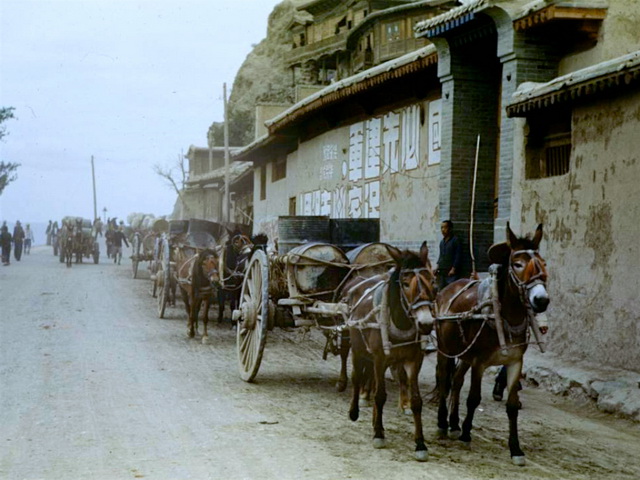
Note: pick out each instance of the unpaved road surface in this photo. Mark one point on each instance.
(94, 386)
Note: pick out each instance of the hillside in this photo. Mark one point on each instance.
(263, 77)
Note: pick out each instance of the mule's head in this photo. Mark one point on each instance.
(416, 281)
(527, 269)
(209, 262)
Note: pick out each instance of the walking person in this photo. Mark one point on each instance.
(18, 240)
(28, 239)
(49, 232)
(450, 259)
(5, 243)
(117, 239)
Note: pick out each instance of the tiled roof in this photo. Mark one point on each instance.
(236, 170)
(453, 18)
(608, 75)
(355, 83)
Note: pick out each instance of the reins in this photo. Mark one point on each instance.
(494, 319)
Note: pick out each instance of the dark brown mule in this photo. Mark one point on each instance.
(387, 315)
(521, 293)
(198, 278)
(233, 265)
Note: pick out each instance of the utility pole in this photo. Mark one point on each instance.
(226, 204)
(93, 176)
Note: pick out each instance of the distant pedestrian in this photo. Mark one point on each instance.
(5, 243)
(117, 239)
(450, 259)
(18, 240)
(28, 239)
(49, 232)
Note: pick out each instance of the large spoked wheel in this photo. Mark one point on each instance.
(253, 313)
(135, 257)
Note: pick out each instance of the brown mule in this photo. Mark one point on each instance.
(466, 331)
(387, 315)
(198, 277)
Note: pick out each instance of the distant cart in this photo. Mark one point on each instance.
(83, 240)
(144, 244)
(300, 286)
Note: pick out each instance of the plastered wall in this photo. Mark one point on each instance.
(591, 217)
(385, 167)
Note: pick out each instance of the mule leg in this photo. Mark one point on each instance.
(221, 295)
(205, 321)
(404, 400)
(473, 400)
(356, 378)
(345, 346)
(379, 367)
(412, 370)
(444, 369)
(513, 406)
(456, 386)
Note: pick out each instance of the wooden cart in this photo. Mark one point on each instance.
(299, 288)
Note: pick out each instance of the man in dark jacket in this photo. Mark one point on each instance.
(450, 259)
(5, 243)
(18, 240)
(117, 239)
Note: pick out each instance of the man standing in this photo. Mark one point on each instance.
(28, 239)
(18, 240)
(117, 239)
(5, 243)
(450, 259)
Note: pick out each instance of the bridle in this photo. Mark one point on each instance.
(539, 278)
(424, 293)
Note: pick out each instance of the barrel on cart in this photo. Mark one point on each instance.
(300, 285)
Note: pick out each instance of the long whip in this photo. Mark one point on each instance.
(473, 203)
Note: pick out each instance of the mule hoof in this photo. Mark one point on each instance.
(379, 443)
(442, 433)
(519, 460)
(353, 415)
(407, 411)
(364, 403)
(205, 340)
(341, 386)
(466, 445)
(422, 455)
(192, 334)
(455, 434)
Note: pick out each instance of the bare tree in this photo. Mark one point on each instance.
(178, 184)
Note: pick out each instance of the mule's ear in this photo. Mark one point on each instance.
(537, 236)
(511, 237)
(395, 253)
(424, 253)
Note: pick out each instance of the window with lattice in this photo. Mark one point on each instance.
(548, 150)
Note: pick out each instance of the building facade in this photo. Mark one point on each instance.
(545, 94)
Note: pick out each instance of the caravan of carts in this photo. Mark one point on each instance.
(297, 285)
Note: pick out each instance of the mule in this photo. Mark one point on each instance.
(388, 313)
(514, 294)
(236, 255)
(198, 278)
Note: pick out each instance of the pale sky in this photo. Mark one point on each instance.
(131, 82)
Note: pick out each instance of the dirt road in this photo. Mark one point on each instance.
(93, 385)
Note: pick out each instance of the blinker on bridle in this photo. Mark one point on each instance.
(538, 279)
(408, 306)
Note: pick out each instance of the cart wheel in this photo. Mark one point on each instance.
(163, 299)
(254, 314)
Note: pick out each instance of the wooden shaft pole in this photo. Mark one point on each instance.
(473, 204)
